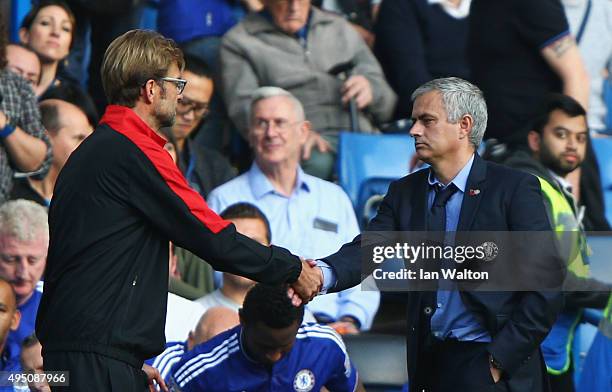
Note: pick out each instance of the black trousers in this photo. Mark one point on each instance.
(93, 372)
(454, 366)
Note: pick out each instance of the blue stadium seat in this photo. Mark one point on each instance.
(148, 19)
(603, 151)
(368, 163)
(19, 9)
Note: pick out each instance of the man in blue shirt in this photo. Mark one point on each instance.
(271, 350)
(24, 238)
(307, 215)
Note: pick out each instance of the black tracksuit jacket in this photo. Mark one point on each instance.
(117, 203)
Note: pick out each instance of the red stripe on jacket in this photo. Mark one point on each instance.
(125, 121)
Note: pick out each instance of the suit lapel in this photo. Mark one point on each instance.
(473, 194)
(418, 203)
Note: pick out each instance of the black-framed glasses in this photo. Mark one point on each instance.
(185, 105)
(179, 83)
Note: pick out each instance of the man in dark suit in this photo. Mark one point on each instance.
(469, 340)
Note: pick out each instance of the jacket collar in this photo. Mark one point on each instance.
(258, 23)
(125, 119)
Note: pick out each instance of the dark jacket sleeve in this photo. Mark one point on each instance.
(347, 262)
(536, 311)
(160, 192)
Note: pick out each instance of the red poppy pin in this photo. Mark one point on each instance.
(474, 192)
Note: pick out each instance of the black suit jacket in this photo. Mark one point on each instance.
(509, 200)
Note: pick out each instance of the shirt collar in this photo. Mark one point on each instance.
(260, 185)
(460, 179)
(125, 119)
(562, 181)
(301, 33)
(456, 12)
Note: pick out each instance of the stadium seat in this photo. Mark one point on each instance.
(368, 163)
(380, 360)
(19, 9)
(603, 151)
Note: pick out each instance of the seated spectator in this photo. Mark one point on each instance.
(47, 30)
(24, 238)
(67, 126)
(421, 40)
(308, 216)
(32, 362)
(204, 168)
(593, 31)
(295, 46)
(270, 349)
(23, 143)
(24, 62)
(9, 321)
(250, 221)
(213, 322)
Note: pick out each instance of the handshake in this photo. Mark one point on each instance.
(308, 285)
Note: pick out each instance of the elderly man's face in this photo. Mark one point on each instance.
(22, 263)
(289, 15)
(276, 133)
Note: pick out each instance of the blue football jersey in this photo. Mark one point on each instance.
(318, 358)
(171, 355)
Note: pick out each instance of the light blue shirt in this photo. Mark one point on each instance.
(314, 221)
(451, 318)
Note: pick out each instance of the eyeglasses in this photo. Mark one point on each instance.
(261, 125)
(185, 105)
(179, 83)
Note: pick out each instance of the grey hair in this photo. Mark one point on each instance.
(24, 220)
(459, 97)
(266, 92)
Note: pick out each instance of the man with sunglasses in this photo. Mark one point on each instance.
(117, 202)
(204, 168)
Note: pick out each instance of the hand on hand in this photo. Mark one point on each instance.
(154, 376)
(358, 87)
(308, 285)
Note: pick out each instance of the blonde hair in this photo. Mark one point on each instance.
(132, 59)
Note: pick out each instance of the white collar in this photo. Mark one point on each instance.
(456, 12)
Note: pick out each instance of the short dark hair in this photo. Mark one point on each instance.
(552, 102)
(271, 306)
(49, 115)
(197, 66)
(75, 95)
(30, 341)
(247, 211)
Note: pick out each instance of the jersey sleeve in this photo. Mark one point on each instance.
(541, 22)
(344, 377)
